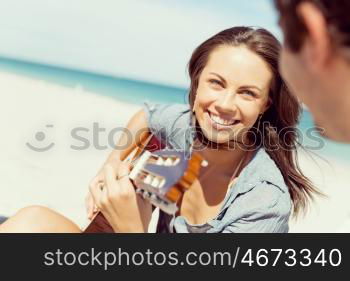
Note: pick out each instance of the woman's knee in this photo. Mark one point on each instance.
(34, 212)
(39, 219)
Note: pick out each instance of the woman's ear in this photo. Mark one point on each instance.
(194, 104)
(267, 105)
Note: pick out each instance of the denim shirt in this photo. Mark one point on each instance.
(258, 202)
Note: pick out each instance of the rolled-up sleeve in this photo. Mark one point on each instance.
(157, 118)
(264, 209)
(169, 123)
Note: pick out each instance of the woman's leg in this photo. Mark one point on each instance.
(39, 220)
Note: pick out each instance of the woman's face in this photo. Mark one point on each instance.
(232, 91)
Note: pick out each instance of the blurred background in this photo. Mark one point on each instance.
(71, 71)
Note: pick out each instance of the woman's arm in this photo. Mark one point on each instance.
(135, 131)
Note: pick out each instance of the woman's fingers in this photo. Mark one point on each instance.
(95, 191)
(110, 174)
(89, 205)
(92, 209)
(118, 181)
(89, 201)
(115, 162)
(95, 209)
(124, 180)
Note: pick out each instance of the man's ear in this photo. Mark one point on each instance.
(317, 44)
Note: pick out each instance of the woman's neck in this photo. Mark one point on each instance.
(223, 159)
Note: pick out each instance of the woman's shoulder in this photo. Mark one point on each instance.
(171, 123)
(265, 208)
(262, 168)
(165, 112)
(259, 201)
(260, 187)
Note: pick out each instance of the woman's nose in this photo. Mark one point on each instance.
(227, 103)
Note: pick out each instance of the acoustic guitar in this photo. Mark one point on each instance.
(159, 175)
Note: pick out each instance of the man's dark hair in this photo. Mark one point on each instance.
(335, 12)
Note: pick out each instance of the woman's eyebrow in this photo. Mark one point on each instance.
(244, 87)
(219, 76)
(251, 87)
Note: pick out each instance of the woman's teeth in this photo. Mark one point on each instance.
(221, 121)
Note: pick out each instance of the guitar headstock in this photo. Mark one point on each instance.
(163, 176)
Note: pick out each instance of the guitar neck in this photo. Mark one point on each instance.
(135, 149)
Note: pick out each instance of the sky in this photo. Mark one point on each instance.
(150, 40)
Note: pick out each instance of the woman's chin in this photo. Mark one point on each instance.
(217, 138)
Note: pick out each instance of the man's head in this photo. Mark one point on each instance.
(315, 60)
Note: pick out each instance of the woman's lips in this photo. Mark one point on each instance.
(217, 125)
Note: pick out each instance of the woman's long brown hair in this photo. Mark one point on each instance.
(278, 134)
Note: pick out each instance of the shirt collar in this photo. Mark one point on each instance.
(260, 168)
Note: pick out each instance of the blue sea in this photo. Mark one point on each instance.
(137, 92)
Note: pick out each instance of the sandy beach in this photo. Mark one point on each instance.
(39, 113)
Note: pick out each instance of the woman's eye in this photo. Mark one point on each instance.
(216, 82)
(249, 93)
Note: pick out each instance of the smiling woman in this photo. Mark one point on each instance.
(242, 119)
(246, 118)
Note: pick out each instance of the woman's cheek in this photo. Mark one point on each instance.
(249, 116)
(206, 96)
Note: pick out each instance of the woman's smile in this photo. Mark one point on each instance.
(219, 122)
